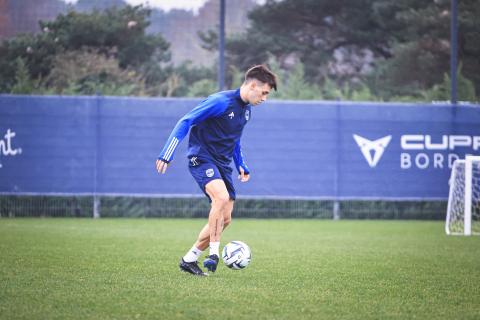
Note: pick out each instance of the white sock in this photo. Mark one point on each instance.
(192, 255)
(214, 246)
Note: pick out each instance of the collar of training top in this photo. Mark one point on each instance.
(237, 95)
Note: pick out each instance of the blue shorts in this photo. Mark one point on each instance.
(204, 171)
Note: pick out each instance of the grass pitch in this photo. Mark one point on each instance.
(301, 269)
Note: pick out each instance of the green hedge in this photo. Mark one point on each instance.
(82, 206)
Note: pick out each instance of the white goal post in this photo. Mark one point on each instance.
(463, 210)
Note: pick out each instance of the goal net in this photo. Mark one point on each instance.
(463, 211)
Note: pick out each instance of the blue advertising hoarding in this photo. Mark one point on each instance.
(108, 145)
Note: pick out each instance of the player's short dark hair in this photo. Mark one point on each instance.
(262, 74)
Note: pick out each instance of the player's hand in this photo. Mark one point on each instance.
(161, 166)
(243, 177)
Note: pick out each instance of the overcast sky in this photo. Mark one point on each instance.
(166, 5)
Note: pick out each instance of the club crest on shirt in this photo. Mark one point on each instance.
(209, 173)
(247, 115)
(231, 115)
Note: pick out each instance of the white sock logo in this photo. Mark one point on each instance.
(377, 146)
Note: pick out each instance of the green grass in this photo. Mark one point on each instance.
(301, 269)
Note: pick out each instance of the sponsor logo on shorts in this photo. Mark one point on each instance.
(209, 172)
(194, 161)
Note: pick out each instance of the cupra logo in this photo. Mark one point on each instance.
(372, 150)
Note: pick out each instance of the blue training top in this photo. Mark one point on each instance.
(217, 124)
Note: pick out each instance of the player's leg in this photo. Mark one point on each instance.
(204, 173)
(227, 217)
(218, 193)
(227, 188)
(203, 239)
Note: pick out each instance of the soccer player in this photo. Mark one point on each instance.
(216, 128)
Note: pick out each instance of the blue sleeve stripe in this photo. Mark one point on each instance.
(171, 148)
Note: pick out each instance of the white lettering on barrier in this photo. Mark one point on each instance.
(408, 142)
(6, 148)
(438, 160)
(476, 143)
(436, 146)
(423, 160)
(451, 158)
(460, 141)
(405, 161)
(424, 142)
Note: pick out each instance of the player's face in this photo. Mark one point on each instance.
(258, 92)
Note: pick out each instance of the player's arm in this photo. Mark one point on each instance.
(211, 107)
(238, 159)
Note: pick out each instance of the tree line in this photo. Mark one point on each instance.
(380, 50)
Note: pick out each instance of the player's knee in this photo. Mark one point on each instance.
(221, 201)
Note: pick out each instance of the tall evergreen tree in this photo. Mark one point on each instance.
(409, 41)
(119, 33)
